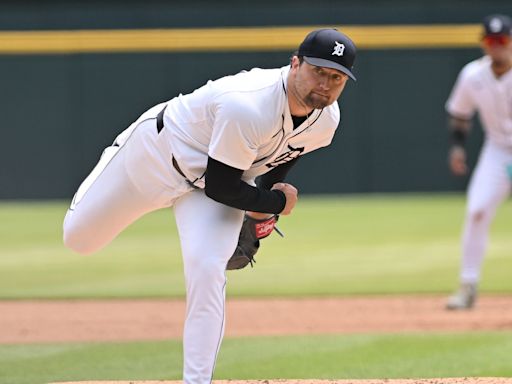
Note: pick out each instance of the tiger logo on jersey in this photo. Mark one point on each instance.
(290, 155)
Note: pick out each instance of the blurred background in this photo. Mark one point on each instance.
(379, 213)
(73, 74)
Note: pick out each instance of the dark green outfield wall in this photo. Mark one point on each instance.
(92, 14)
(60, 111)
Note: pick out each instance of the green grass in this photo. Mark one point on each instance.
(144, 261)
(298, 357)
(333, 246)
(44, 363)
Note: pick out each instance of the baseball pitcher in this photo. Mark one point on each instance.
(201, 153)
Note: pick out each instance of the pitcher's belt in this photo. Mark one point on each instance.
(159, 127)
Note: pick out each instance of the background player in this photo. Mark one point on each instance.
(201, 153)
(483, 86)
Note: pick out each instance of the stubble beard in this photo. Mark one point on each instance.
(315, 101)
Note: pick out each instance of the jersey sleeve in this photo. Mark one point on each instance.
(235, 137)
(460, 103)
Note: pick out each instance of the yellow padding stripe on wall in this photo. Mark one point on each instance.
(231, 39)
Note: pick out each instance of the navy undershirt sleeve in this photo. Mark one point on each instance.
(224, 185)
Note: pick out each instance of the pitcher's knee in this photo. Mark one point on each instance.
(78, 243)
(477, 216)
(204, 263)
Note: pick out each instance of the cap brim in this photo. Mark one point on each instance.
(329, 64)
(494, 34)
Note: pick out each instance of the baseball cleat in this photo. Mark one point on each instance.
(464, 298)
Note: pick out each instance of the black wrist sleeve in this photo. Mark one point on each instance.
(459, 130)
(458, 137)
(224, 185)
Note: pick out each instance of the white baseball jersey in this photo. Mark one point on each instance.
(243, 121)
(478, 89)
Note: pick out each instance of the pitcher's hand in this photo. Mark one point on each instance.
(457, 161)
(291, 196)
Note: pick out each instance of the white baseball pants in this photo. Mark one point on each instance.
(135, 176)
(490, 185)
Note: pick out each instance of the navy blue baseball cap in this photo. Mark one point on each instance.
(329, 48)
(497, 25)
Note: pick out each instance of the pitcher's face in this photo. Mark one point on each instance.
(316, 87)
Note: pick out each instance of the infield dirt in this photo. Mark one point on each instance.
(122, 320)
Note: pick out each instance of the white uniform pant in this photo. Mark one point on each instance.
(489, 186)
(135, 176)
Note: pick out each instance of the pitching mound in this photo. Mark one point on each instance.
(455, 380)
